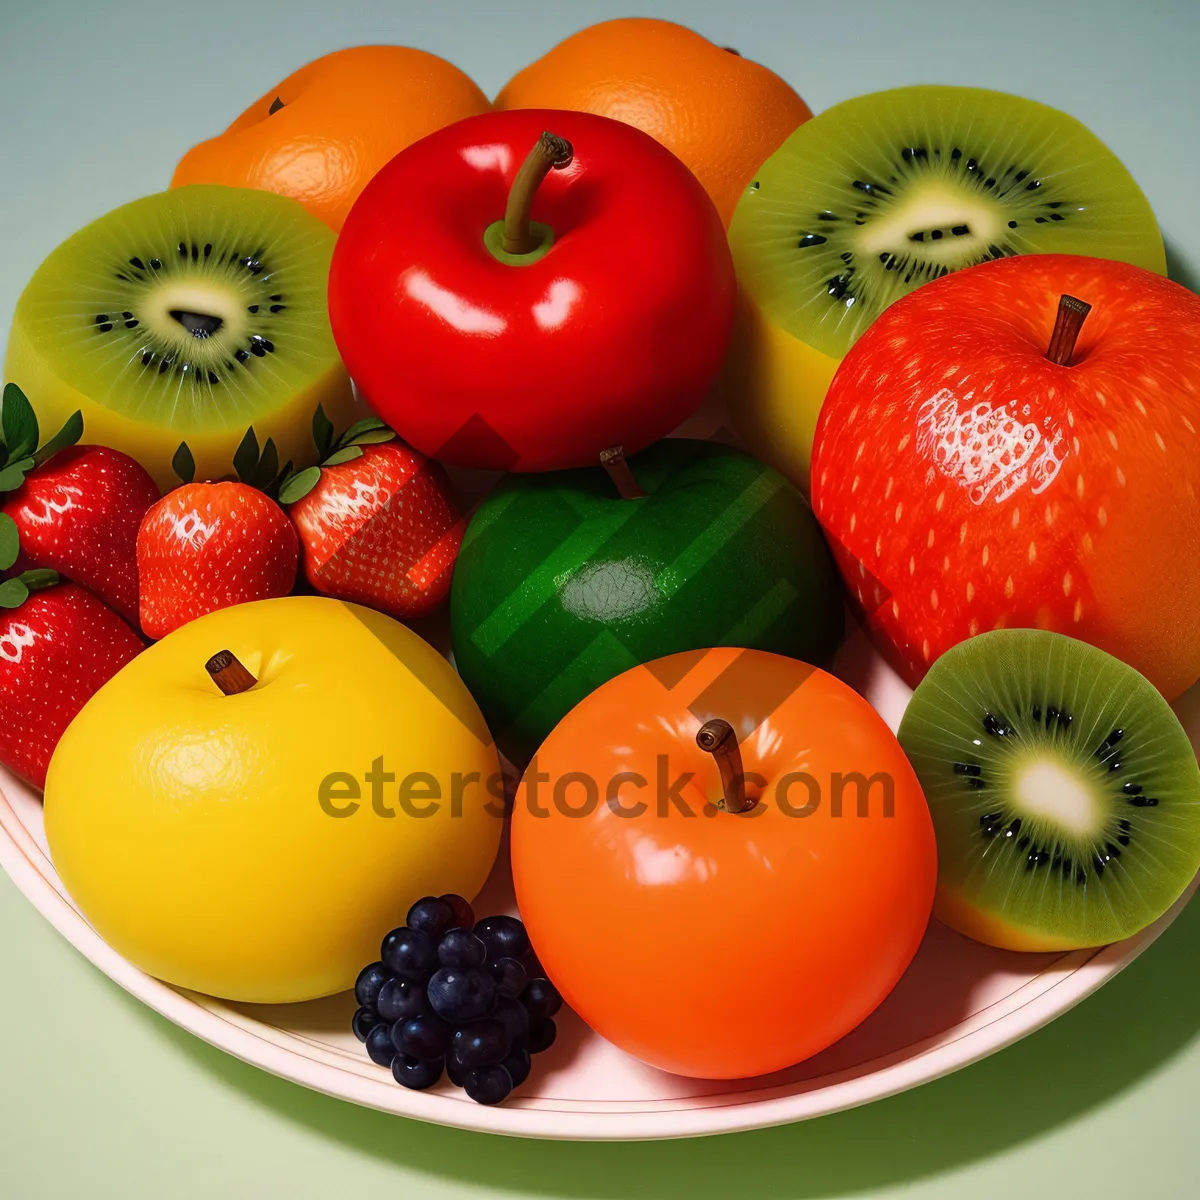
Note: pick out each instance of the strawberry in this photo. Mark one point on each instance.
(77, 507)
(206, 546)
(79, 515)
(377, 520)
(1018, 445)
(58, 645)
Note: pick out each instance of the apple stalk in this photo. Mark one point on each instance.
(613, 461)
(718, 738)
(229, 674)
(549, 153)
(1072, 313)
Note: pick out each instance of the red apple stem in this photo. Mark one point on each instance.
(228, 673)
(1071, 315)
(613, 461)
(549, 153)
(717, 737)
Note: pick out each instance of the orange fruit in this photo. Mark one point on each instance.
(723, 115)
(322, 134)
(712, 942)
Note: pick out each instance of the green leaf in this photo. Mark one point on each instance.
(273, 489)
(374, 437)
(183, 464)
(19, 423)
(10, 542)
(345, 454)
(299, 485)
(12, 476)
(13, 593)
(38, 579)
(359, 427)
(245, 457)
(68, 435)
(267, 468)
(322, 430)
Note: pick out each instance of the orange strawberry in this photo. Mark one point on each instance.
(378, 521)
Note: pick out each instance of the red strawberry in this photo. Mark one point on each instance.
(206, 546)
(380, 526)
(56, 650)
(79, 515)
(978, 467)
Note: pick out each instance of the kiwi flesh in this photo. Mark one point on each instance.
(1064, 792)
(880, 194)
(191, 315)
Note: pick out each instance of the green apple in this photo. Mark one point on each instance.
(563, 583)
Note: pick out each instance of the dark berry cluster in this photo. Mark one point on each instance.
(454, 995)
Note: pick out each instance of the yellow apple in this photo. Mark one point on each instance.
(257, 845)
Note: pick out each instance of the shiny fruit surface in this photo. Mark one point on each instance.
(708, 942)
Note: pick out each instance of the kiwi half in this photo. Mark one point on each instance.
(1064, 792)
(882, 193)
(190, 315)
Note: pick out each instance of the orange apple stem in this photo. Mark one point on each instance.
(228, 673)
(717, 737)
(549, 153)
(613, 461)
(1071, 315)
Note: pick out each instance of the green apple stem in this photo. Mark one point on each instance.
(613, 461)
(549, 153)
(228, 673)
(1071, 315)
(717, 737)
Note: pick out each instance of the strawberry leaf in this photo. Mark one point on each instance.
(373, 437)
(12, 476)
(13, 593)
(245, 457)
(277, 483)
(267, 467)
(19, 423)
(10, 542)
(38, 579)
(299, 485)
(68, 435)
(183, 464)
(345, 454)
(366, 425)
(322, 431)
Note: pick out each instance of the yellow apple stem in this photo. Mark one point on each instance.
(613, 461)
(228, 673)
(1071, 315)
(549, 153)
(717, 737)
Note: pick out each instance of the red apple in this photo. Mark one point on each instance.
(490, 340)
(982, 462)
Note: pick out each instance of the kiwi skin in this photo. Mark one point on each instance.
(997, 710)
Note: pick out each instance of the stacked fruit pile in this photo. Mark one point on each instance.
(938, 320)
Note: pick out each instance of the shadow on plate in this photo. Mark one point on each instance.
(1117, 1037)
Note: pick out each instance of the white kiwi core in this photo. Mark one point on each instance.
(947, 221)
(1050, 790)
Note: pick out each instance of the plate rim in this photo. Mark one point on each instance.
(234, 1032)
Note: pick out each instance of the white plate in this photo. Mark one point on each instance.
(959, 1002)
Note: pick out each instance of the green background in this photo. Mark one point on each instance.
(101, 1098)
